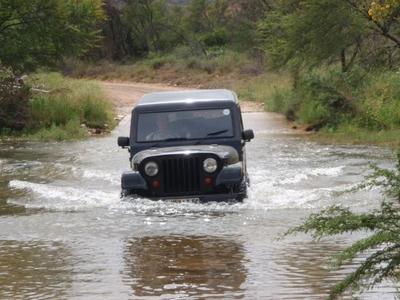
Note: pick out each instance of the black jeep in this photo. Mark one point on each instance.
(187, 144)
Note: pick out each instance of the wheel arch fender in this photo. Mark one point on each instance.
(230, 175)
(132, 180)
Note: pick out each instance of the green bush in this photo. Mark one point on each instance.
(156, 61)
(380, 105)
(321, 102)
(216, 38)
(14, 102)
(319, 99)
(377, 255)
(283, 101)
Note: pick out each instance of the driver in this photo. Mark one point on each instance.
(163, 129)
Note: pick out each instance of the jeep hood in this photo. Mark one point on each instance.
(226, 153)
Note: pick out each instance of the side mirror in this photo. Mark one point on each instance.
(123, 141)
(248, 135)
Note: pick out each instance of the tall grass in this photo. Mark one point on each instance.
(70, 107)
(379, 105)
(263, 88)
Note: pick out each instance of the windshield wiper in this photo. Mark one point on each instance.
(217, 132)
(176, 139)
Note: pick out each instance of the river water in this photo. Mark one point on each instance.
(66, 234)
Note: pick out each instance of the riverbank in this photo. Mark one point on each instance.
(338, 108)
(59, 108)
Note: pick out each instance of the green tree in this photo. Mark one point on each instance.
(42, 32)
(152, 25)
(197, 20)
(242, 19)
(380, 251)
(311, 32)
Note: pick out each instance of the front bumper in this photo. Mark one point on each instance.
(133, 183)
(227, 197)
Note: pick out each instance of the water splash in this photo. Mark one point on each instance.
(55, 197)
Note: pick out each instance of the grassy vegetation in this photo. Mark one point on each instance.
(353, 134)
(221, 67)
(353, 107)
(264, 88)
(67, 111)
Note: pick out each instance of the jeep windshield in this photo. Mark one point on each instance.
(184, 125)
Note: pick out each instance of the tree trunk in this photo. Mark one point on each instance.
(343, 60)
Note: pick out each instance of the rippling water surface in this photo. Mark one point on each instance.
(66, 234)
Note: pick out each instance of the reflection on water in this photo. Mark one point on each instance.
(307, 269)
(32, 270)
(190, 266)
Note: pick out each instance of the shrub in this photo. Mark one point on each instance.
(14, 102)
(72, 130)
(322, 103)
(380, 101)
(156, 61)
(283, 101)
(216, 38)
(69, 104)
(379, 252)
(201, 64)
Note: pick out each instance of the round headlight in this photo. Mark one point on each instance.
(151, 168)
(210, 165)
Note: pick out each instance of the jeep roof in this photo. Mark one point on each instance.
(189, 96)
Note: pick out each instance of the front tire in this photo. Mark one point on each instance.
(241, 190)
(128, 193)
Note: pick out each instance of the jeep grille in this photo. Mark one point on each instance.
(181, 175)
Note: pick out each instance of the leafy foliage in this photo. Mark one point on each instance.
(311, 32)
(381, 250)
(384, 10)
(40, 32)
(151, 25)
(138, 28)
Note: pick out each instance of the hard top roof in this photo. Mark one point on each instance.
(188, 96)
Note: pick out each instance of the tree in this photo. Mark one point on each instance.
(381, 249)
(197, 20)
(151, 25)
(242, 19)
(116, 42)
(311, 32)
(42, 32)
